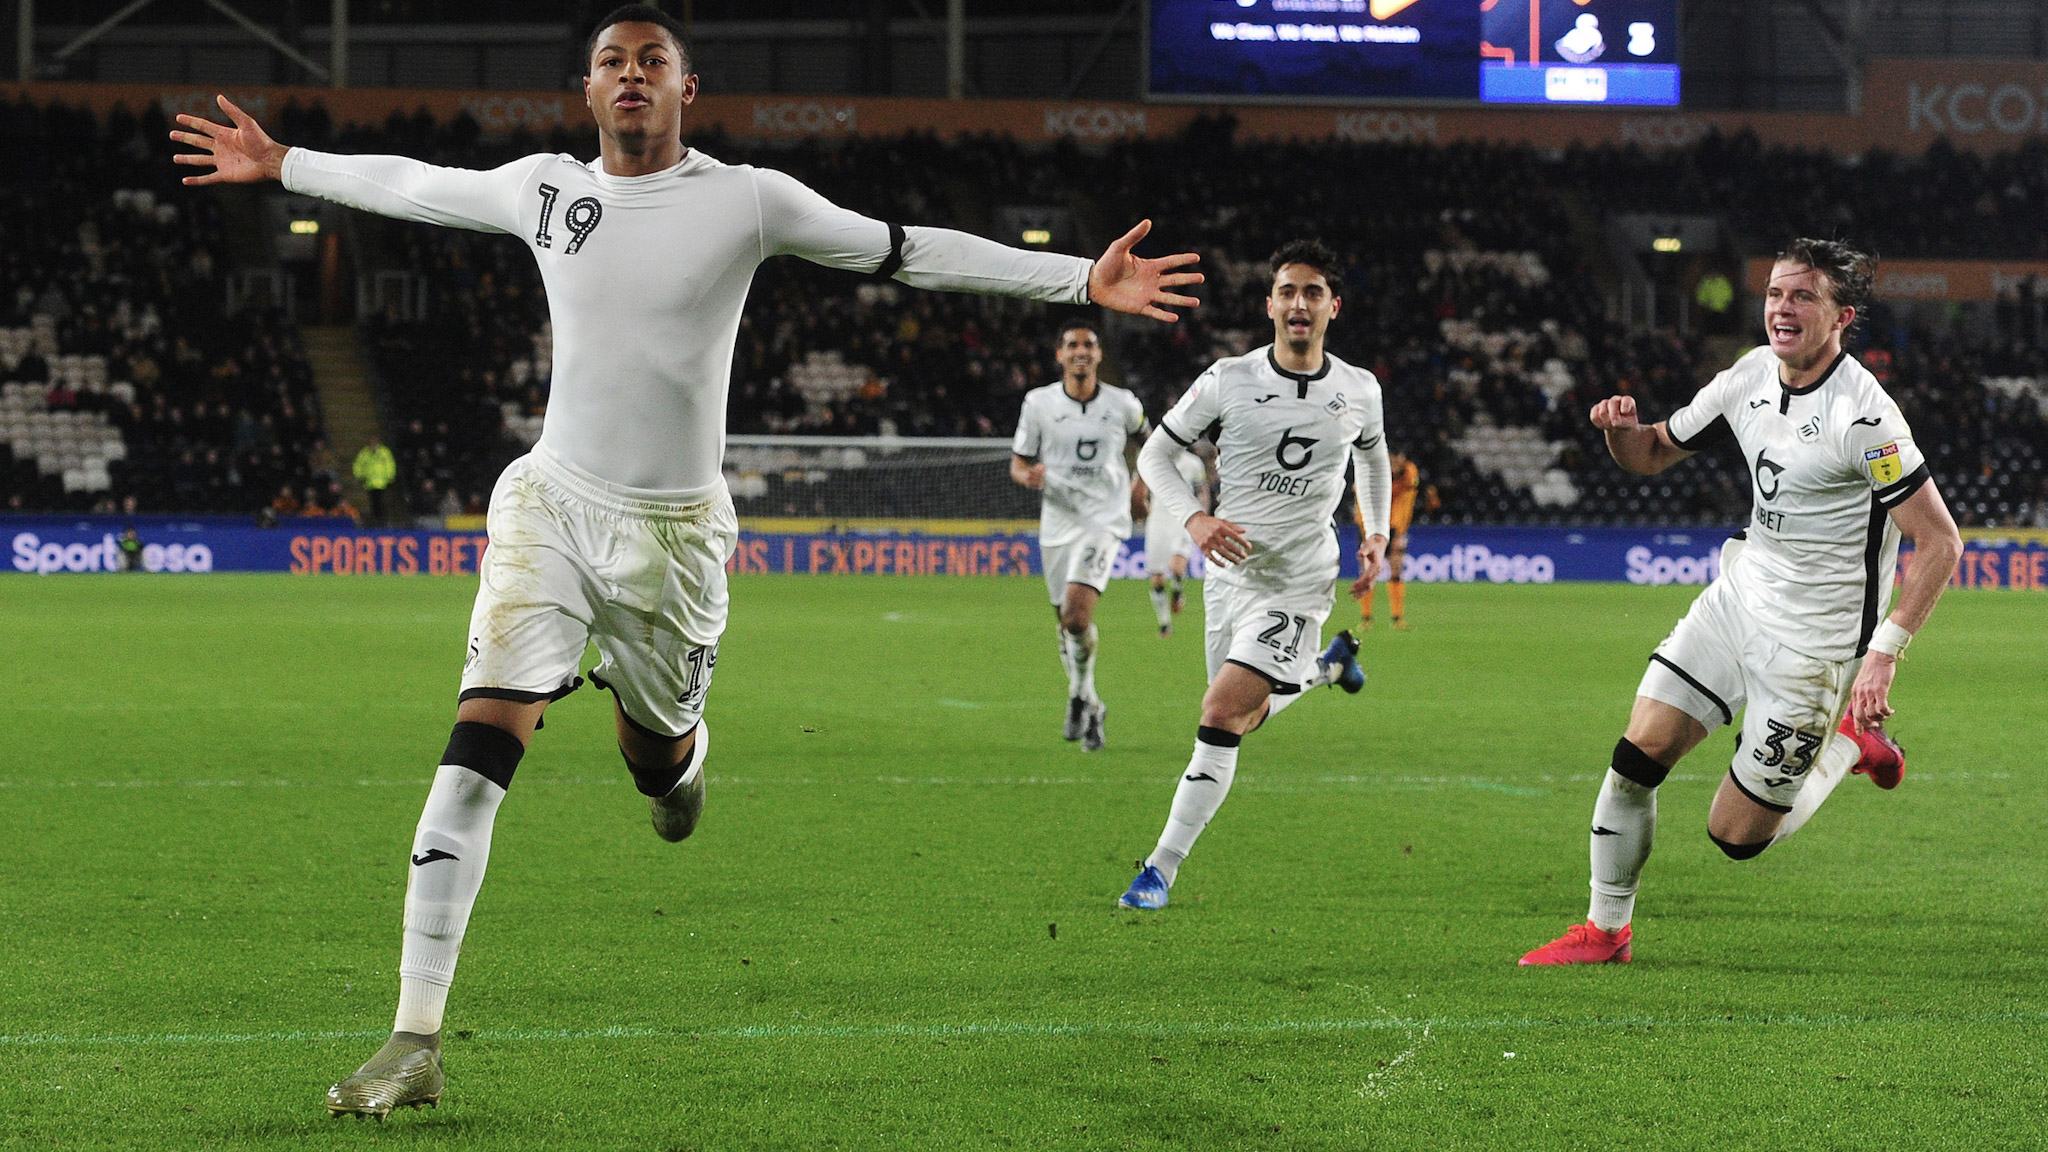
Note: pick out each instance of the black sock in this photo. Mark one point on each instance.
(660, 782)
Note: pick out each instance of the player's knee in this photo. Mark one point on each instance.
(1633, 764)
(1736, 851)
(485, 749)
(1235, 715)
(660, 762)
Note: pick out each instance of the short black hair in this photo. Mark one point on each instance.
(641, 14)
(1080, 322)
(1850, 271)
(1315, 254)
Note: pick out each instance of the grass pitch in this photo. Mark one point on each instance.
(208, 788)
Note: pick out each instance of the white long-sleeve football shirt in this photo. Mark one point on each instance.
(646, 277)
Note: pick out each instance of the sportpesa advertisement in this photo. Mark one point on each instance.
(1559, 52)
(197, 545)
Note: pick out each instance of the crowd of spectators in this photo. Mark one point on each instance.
(1943, 202)
(1472, 292)
(112, 279)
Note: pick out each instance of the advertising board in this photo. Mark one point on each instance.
(52, 546)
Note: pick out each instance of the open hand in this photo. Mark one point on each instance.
(1127, 283)
(1221, 541)
(239, 153)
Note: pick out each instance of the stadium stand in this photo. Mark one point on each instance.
(1476, 294)
(1943, 202)
(124, 383)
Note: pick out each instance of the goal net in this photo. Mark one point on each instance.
(879, 483)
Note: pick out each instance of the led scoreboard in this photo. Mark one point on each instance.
(1567, 52)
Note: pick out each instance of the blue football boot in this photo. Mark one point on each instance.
(1342, 654)
(1147, 891)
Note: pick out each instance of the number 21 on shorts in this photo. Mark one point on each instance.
(1271, 636)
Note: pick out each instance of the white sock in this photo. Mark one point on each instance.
(1326, 673)
(455, 831)
(1277, 702)
(1197, 797)
(1840, 755)
(1162, 606)
(1081, 676)
(1067, 660)
(1624, 824)
(698, 748)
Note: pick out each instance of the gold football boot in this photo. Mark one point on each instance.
(405, 1073)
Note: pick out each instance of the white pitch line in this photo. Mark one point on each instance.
(1510, 786)
(1001, 1029)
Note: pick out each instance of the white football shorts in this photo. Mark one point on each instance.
(574, 559)
(1718, 661)
(1275, 630)
(1163, 541)
(1086, 560)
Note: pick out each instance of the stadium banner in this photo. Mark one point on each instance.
(49, 545)
(1979, 280)
(1973, 102)
(1440, 554)
(2015, 558)
(1982, 105)
(1992, 558)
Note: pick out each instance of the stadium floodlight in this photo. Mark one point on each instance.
(305, 227)
(1667, 244)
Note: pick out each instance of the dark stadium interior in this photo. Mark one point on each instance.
(113, 284)
(1476, 291)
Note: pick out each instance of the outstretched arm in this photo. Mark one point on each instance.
(796, 221)
(1642, 449)
(241, 152)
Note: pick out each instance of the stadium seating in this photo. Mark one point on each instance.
(123, 383)
(1474, 293)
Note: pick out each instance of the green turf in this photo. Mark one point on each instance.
(208, 787)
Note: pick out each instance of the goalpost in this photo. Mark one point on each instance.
(878, 484)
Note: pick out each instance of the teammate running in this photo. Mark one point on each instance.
(1401, 514)
(1792, 633)
(1285, 420)
(1168, 545)
(1076, 442)
(617, 526)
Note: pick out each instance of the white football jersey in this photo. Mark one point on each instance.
(646, 277)
(1283, 441)
(1826, 463)
(1081, 444)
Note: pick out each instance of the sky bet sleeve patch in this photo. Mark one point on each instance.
(1883, 462)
